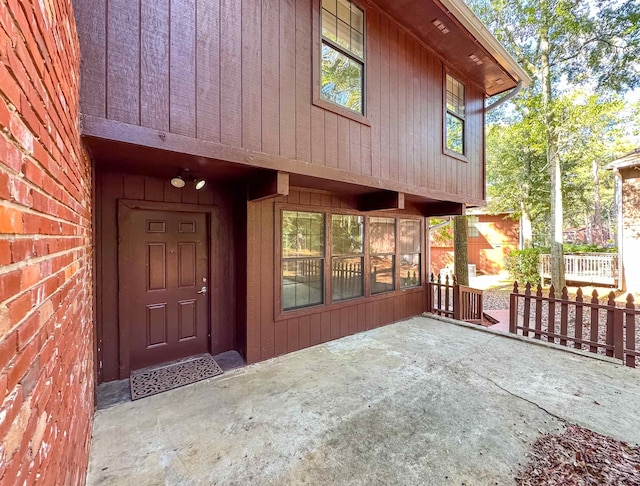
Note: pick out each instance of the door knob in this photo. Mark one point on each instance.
(203, 290)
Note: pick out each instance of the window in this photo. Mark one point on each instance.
(454, 129)
(342, 62)
(410, 244)
(303, 252)
(472, 229)
(382, 241)
(347, 257)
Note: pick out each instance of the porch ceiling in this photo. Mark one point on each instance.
(495, 71)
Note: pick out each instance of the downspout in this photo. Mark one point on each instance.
(506, 97)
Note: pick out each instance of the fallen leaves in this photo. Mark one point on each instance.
(579, 456)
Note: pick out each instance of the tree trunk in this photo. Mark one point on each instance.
(460, 251)
(553, 161)
(526, 228)
(597, 229)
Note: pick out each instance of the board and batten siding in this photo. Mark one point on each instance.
(240, 73)
(269, 334)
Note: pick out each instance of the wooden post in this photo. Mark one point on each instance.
(631, 331)
(551, 318)
(527, 310)
(611, 324)
(457, 302)
(594, 322)
(513, 310)
(578, 330)
(564, 314)
(538, 334)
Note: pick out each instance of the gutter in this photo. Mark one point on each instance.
(505, 98)
(478, 30)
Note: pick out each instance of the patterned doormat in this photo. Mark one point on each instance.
(150, 381)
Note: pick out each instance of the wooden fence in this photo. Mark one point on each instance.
(447, 298)
(582, 323)
(591, 268)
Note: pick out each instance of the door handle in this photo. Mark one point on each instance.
(203, 290)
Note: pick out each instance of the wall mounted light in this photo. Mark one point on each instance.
(183, 176)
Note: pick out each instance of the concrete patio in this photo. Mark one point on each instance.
(418, 402)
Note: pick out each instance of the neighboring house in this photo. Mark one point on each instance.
(627, 190)
(257, 177)
(490, 238)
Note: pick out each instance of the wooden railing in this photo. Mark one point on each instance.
(581, 323)
(447, 298)
(591, 268)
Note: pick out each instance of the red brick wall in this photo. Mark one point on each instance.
(46, 330)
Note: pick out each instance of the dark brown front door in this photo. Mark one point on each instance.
(166, 272)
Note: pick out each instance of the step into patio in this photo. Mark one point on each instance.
(501, 318)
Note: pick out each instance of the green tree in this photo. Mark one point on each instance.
(566, 41)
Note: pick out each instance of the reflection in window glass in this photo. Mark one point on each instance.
(302, 234)
(341, 79)
(302, 283)
(303, 259)
(410, 246)
(472, 228)
(455, 134)
(382, 273)
(382, 244)
(347, 246)
(455, 106)
(342, 54)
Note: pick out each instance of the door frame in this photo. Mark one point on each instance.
(125, 209)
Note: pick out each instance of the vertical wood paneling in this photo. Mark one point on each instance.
(240, 73)
(402, 107)
(231, 72)
(393, 103)
(331, 139)
(123, 60)
(304, 333)
(287, 78)
(258, 342)
(266, 280)
(315, 331)
(344, 145)
(303, 81)
(355, 156)
(251, 75)
(385, 129)
(271, 76)
(154, 64)
(208, 69)
(317, 136)
(92, 33)
(182, 62)
(374, 94)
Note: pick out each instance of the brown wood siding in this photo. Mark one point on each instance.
(240, 73)
(269, 335)
(227, 329)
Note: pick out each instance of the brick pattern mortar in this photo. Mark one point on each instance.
(46, 315)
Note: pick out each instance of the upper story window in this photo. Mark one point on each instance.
(454, 129)
(343, 54)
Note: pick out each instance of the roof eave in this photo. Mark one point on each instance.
(480, 32)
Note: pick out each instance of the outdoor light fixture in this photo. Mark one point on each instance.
(183, 176)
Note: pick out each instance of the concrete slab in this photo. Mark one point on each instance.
(418, 402)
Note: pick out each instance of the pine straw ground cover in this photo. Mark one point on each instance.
(579, 456)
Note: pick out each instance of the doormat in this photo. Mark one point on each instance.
(151, 381)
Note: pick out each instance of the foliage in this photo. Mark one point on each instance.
(576, 249)
(522, 265)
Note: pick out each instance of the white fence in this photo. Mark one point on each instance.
(591, 268)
